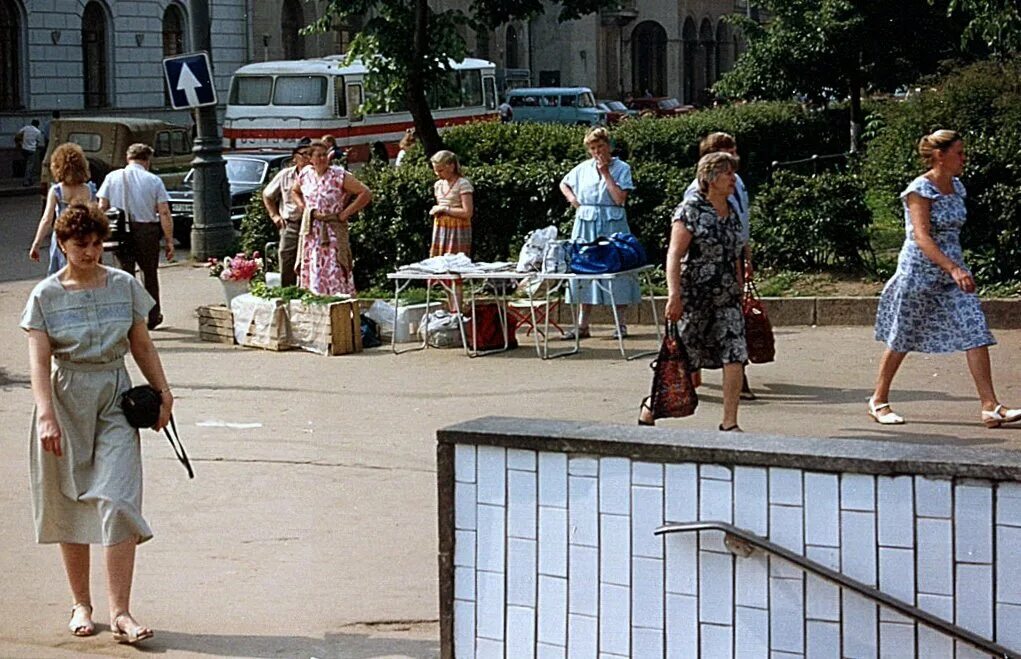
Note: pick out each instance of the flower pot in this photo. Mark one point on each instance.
(232, 289)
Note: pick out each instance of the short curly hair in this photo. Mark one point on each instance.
(68, 164)
(711, 165)
(80, 221)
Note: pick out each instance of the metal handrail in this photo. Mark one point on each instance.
(741, 542)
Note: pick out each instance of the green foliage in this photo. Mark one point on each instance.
(994, 23)
(260, 289)
(491, 143)
(257, 229)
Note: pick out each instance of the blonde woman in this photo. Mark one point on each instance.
(930, 304)
(452, 214)
(70, 170)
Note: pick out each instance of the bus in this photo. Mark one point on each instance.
(274, 104)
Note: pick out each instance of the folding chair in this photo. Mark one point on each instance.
(521, 310)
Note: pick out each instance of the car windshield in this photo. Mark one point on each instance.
(669, 103)
(585, 100)
(616, 106)
(239, 171)
(603, 107)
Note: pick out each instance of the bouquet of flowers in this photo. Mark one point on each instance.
(236, 268)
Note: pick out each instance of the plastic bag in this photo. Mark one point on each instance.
(441, 329)
(530, 258)
(554, 256)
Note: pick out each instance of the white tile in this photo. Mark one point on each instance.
(486, 648)
(1008, 625)
(751, 580)
(822, 639)
(717, 641)
(974, 602)
(932, 497)
(520, 459)
(785, 486)
(553, 541)
(896, 520)
(647, 642)
(647, 593)
(786, 615)
(492, 474)
(583, 465)
(584, 580)
(464, 583)
(520, 632)
(785, 655)
(464, 506)
(715, 504)
(464, 629)
(546, 651)
(521, 573)
(681, 626)
(1008, 504)
(582, 637)
(715, 587)
(682, 563)
(930, 642)
(647, 473)
(751, 633)
(896, 578)
(464, 463)
(614, 619)
(896, 640)
(646, 517)
(583, 518)
(858, 546)
(859, 628)
(716, 472)
(615, 549)
(491, 538)
(973, 523)
(934, 556)
(615, 486)
(822, 509)
(552, 612)
(751, 510)
(490, 605)
(681, 493)
(965, 651)
(822, 598)
(857, 492)
(464, 548)
(553, 479)
(938, 605)
(785, 529)
(1008, 564)
(521, 504)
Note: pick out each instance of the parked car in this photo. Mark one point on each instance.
(615, 111)
(555, 105)
(660, 106)
(247, 173)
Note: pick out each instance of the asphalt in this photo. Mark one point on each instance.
(310, 528)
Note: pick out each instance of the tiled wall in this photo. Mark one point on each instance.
(555, 557)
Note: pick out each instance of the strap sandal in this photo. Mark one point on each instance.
(582, 333)
(1000, 416)
(733, 428)
(620, 332)
(81, 620)
(646, 408)
(883, 415)
(131, 633)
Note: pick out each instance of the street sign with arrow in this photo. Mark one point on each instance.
(190, 81)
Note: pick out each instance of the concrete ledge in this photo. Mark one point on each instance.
(790, 310)
(845, 310)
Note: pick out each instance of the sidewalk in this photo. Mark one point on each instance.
(313, 510)
(14, 187)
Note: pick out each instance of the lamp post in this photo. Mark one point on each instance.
(212, 234)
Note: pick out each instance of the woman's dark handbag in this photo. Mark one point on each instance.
(141, 407)
(757, 328)
(673, 393)
(619, 252)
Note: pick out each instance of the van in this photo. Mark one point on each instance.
(555, 105)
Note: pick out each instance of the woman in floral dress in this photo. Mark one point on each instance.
(930, 305)
(704, 272)
(327, 196)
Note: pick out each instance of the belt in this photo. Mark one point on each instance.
(89, 367)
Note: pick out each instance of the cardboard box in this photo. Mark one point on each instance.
(216, 324)
(326, 329)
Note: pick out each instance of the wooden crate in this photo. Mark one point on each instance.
(268, 326)
(216, 324)
(326, 329)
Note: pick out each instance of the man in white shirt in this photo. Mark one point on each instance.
(284, 212)
(142, 196)
(29, 140)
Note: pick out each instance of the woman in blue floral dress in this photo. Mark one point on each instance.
(930, 304)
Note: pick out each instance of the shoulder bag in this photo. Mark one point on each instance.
(141, 407)
(673, 393)
(757, 328)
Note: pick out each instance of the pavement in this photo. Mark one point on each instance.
(310, 528)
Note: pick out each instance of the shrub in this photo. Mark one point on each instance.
(257, 229)
(493, 143)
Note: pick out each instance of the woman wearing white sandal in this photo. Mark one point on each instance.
(930, 305)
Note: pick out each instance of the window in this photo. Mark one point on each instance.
(549, 101)
(173, 38)
(242, 170)
(489, 85)
(251, 90)
(163, 148)
(446, 93)
(181, 142)
(89, 142)
(524, 101)
(354, 102)
(10, 56)
(292, 19)
(471, 88)
(585, 100)
(299, 90)
(94, 56)
(339, 102)
(568, 101)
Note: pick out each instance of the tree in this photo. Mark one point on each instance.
(406, 44)
(826, 49)
(995, 23)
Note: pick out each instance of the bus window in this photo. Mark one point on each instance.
(300, 90)
(549, 101)
(568, 100)
(354, 102)
(339, 100)
(446, 93)
(251, 90)
(489, 86)
(471, 88)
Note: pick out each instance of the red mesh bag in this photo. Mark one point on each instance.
(673, 394)
(757, 329)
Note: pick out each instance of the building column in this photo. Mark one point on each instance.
(674, 68)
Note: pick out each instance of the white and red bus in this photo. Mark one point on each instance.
(274, 104)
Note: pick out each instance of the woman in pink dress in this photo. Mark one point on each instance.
(328, 196)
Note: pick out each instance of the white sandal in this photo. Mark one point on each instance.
(999, 416)
(887, 418)
(81, 620)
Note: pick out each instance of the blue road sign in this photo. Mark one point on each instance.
(190, 80)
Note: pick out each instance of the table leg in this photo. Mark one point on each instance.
(398, 288)
(575, 310)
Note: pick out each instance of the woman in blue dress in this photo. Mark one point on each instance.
(930, 304)
(70, 170)
(598, 189)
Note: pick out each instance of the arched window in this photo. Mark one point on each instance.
(10, 56)
(510, 60)
(94, 56)
(648, 59)
(690, 39)
(706, 60)
(173, 37)
(291, 22)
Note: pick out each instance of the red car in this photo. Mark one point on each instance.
(660, 106)
(615, 111)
